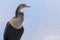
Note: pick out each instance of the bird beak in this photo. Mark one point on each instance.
(27, 6)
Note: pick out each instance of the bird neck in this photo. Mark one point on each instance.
(18, 9)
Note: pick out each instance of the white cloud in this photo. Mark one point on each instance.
(1, 20)
(52, 37)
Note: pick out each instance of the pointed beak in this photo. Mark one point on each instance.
(27, 6)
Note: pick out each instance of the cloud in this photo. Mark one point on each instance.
(52, 37)
(2, 19)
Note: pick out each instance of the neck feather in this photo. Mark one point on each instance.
(18, 9)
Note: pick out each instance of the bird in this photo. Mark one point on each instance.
(14, 27)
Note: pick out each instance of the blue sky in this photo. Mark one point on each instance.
(42, 20)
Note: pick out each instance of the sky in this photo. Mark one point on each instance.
(41, 22)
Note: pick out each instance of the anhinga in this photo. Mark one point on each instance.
(14, 28)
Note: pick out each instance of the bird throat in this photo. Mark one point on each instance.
(20, 10)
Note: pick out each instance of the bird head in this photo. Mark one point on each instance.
(18, 10)
(24, 6)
